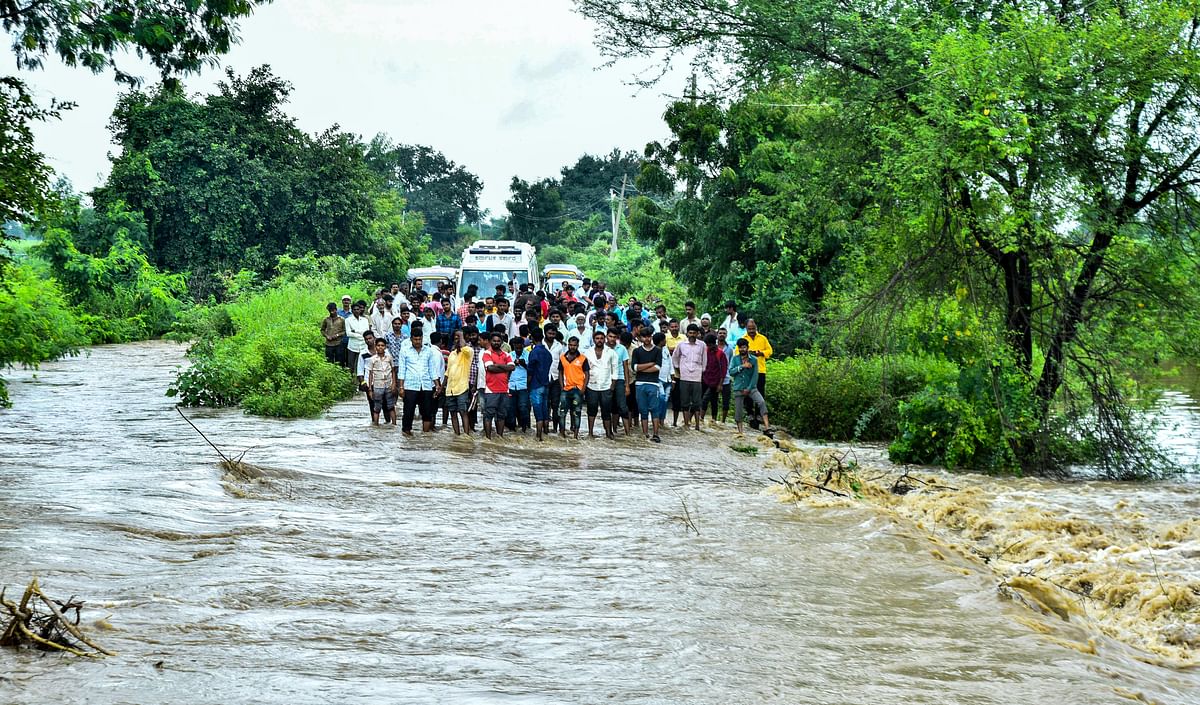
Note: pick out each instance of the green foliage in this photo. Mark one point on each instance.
(175, 37)
(851, 398)
(263, 350)
(1029, 158)
(24, 174)
(445, 193)
(228, 181)
(538, 210)
(38, 324)
(118, 297)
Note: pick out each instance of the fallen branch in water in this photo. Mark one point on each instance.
(28, 626)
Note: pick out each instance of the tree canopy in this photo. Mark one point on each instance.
(444, 192)
(1012, 151)
(176, 37)
(228, 180)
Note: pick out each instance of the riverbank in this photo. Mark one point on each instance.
(1118, 560)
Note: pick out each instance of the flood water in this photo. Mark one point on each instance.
(366, 568)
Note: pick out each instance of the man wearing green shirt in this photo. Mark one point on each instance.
(743, 370)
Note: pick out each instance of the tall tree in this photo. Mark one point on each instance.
(446, 193)
(230, 181)
(535, 211)
(1029, 139)
(176, 37)
(586, 185)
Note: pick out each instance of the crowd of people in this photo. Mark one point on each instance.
(521, 359)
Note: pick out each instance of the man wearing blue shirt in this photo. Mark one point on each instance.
(538, 367)
(518, 386)
(419, 374)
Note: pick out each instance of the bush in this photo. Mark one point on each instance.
(36, 321)
(264, 351)
(118, 297)
(840, 399)
(977, 421)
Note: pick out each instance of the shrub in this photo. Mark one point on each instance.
(263, 351)
(840, 399)
(976, 421)
(118, 297)
(36, 321)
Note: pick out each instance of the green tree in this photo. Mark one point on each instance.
(586, 186)
(230, 181)
(176, 37)
(1016, 150)
(535, 211)
(444, 192)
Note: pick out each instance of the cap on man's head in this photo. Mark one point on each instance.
(347, 297)
(705, 317)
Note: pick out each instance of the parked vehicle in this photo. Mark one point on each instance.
(430, 277)
(554, 276)
(491, 263)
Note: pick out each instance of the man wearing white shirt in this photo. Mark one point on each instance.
(583, 331)
(381, 317)
(690, 318)
(733, 323)
(602, 370)
(357, 323)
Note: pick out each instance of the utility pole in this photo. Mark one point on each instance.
(618, 207)
(691, 179)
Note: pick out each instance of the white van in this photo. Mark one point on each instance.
(491, 263)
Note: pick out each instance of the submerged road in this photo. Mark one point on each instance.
(360, 567)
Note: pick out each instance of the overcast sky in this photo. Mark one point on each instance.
(509, 87)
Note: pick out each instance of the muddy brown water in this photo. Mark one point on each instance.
(365, 568)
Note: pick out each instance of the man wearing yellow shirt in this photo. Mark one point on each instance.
(458, 374)
(760, 348)
(674, 338)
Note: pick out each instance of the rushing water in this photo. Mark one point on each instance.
(367, 568)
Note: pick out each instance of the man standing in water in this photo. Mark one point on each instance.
(496, 365)
(690, 359)
(602, 370)
(645, 361)
(573, 367)
(623, 381)
(539, 380)
(458, 377)
(557, 349)
(356, 324)
(419, 374)
(518, 386)
(745, 386)
(381, 383)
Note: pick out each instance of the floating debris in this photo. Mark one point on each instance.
(40, 622)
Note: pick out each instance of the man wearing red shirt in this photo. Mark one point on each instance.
(496, 364)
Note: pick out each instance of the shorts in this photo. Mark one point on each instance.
(458, 403)
(691, 395)
(495, 405)
(620, 406)
(599, 400)
(382, 398)
(647, 399)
